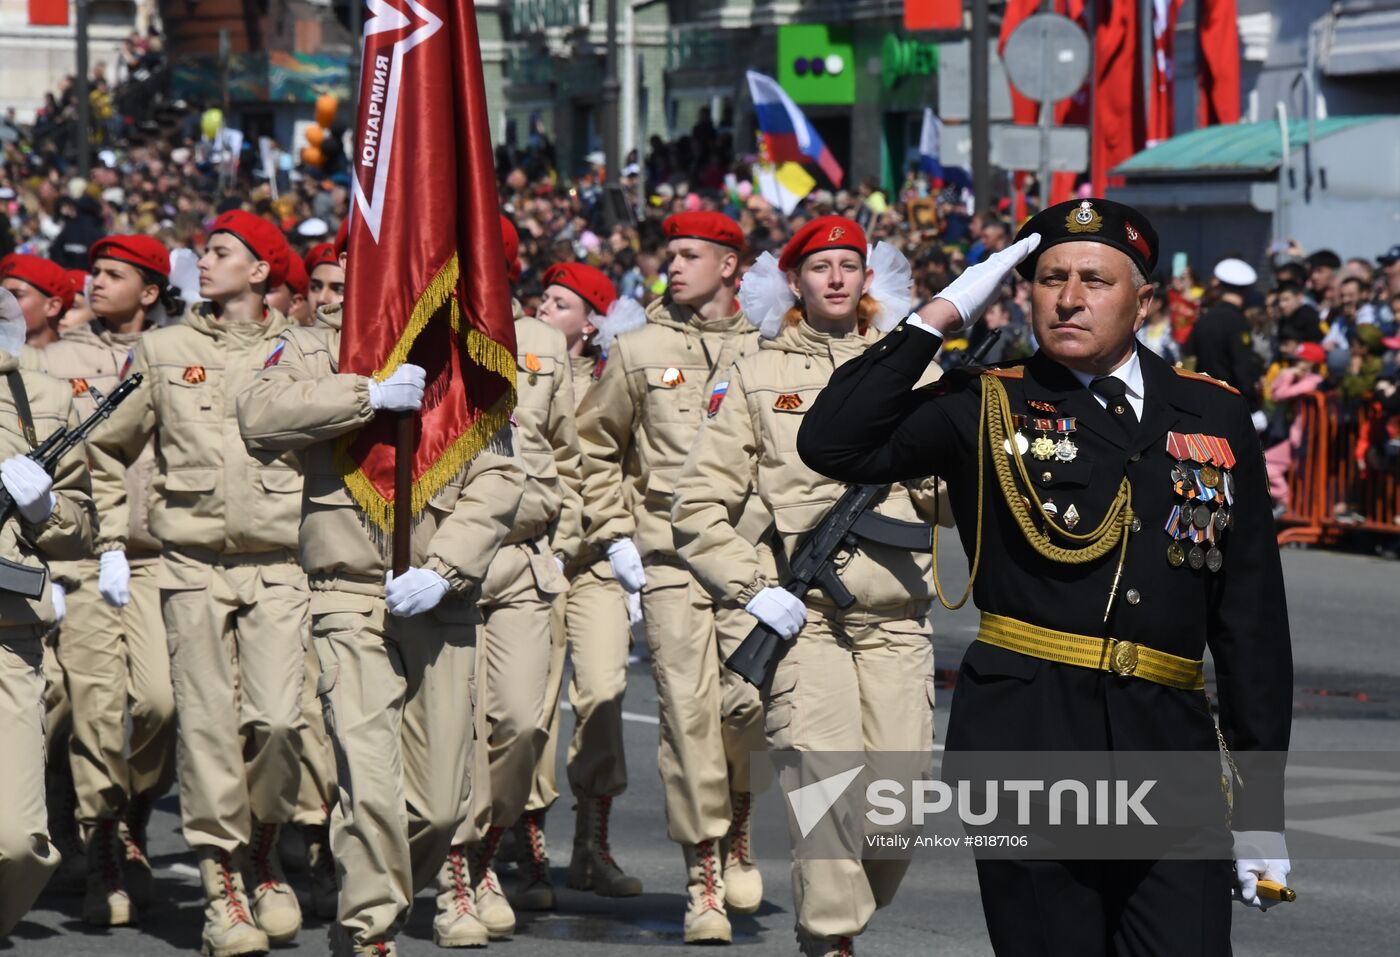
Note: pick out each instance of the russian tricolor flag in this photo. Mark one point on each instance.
(787, 135)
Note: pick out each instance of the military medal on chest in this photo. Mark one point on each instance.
(1205, 492)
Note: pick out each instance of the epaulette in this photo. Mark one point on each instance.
(1202, 377)
(1008, 372)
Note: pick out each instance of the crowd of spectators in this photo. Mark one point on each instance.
(1315, 323)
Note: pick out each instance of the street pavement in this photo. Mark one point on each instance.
(1346, 646)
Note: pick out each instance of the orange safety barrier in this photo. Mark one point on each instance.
(1332, 489)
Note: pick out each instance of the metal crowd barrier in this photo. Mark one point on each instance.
(1326, 473)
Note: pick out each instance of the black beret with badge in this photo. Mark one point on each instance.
(1094, 221)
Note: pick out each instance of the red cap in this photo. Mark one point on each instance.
(297, 277)
(821, 234)
(591, 284)
(1311, 352)
(263, 239)
(342, 238)
(511, 239)
(711, 227)
(79, 280)
(45, 275)
(321, 254)
(143, 252)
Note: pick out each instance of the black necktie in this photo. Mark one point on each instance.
(1115, 392)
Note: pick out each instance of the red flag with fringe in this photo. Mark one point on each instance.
(425, 283)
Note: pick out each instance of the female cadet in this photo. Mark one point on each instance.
(113, 647)
(581, 302)
(858, 679)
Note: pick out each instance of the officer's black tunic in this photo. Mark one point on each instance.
(869, 426)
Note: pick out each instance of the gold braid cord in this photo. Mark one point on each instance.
(1026, 508)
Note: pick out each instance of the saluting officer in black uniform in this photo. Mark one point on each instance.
(1128, 529)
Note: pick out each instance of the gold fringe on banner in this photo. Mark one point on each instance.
(482, 351)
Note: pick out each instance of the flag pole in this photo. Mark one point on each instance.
(403, 492)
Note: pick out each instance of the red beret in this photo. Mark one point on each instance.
(711, 227)
(511, 239)
(263, 239)
(297, 277)
(45, 275)
(342, 238)
(823, 233)
(590, 284)
(322, 254)
(79, 280)
(143, 252)
(1311, 352)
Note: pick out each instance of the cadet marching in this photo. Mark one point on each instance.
(217, 611)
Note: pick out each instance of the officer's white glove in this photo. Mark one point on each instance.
(780, 610)
(401, 392)
(1259, 854)
(975, 289)
(414, 592)
(30, 486)
(114, 578)
(627, 565)
(59, 598)
(634, 607)
(1260, 420)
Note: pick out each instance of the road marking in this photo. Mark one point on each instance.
(184, 870)
(649, 719)
(626, 715)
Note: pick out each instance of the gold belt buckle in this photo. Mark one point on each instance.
(1123, 658)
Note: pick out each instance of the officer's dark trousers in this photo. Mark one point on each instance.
(1170, 908)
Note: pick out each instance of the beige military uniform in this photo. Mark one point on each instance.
(112, 656)
(232, 597)
(517, 673)
(853, 680)
(592, 626)
(396, 691)
(27, 858)
(635, 426)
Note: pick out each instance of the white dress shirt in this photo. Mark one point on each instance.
(1131, 374)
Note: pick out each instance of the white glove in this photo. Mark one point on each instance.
(30, 486)
(59, 598)
(780, 610)
(1260, 420)
(1259, 854)
(634, 607)
(975, 289)
(401, 392)
(114, 578)
(627, 565)
(414, 592)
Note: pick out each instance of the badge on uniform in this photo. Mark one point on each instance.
(194, 375)
(672, 377)
(126, 366)
(787, 402)
(717, 398)
(80, 386)
(1202, 480)
(276, 355)
(600, 365)
(532, 366)
(1045, 448)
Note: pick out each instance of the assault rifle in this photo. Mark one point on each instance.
(24, 579)
(849, 521)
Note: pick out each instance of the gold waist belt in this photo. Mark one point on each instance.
(1100, 654)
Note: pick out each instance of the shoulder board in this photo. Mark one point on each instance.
(1202, 377)
(1010, 372)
